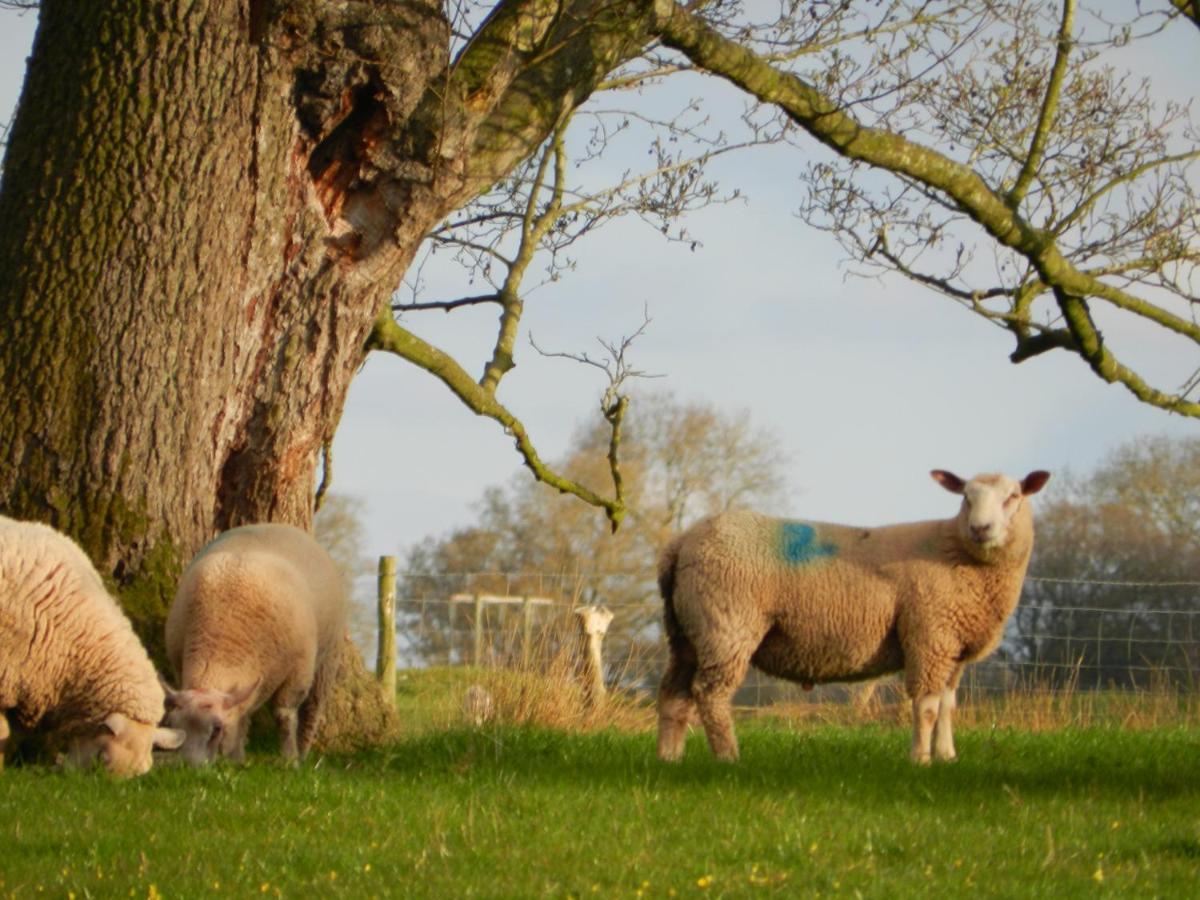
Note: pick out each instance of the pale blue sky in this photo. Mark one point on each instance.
(868, 384)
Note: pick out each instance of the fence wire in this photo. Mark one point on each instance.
(1088, 634)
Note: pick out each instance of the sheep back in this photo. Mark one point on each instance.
(257, 601)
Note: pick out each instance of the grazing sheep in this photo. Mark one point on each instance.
(259, 615)
(70, 662)
(813, 602)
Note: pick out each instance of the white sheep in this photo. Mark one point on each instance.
(70, 662)
(814, 602)
(259, 615)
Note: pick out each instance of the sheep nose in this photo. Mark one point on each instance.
(980, 532)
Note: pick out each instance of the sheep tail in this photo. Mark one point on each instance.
(666, 586)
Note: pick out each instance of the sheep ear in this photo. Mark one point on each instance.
(949, 481)
(239, 696)
(1034, 482)
(169, 738)
(116, 723)
(170, 695)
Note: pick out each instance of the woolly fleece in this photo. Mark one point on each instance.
(68, 655)
(815, 602)
(260, 610)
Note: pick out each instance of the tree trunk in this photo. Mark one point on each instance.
(205, 207)
(185, 289)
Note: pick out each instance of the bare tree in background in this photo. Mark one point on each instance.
(680, 461)
(1116, 595)
(338, 527)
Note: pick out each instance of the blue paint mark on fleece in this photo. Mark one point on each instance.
(798, 544)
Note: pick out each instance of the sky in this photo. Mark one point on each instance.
(867, 384)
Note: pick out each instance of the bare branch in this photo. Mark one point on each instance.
(615, 402)
(446, 305)
(963, 188)
(389, 336)
(1041, 133)
(616, 366)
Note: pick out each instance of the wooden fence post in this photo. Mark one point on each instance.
(593, 624)
(478, 630)
(385, 657)
(526, 632)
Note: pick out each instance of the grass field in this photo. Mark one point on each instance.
(813, 809)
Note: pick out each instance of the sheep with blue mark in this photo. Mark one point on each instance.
(815, 602)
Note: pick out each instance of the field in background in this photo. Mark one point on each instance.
(1071, 635)
(574, 803)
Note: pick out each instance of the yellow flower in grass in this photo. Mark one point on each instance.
(704, 881)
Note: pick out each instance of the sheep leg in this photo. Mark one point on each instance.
(943, 730)
(4, 733)
(713, 689)
(286, 719)
(311, 709)
(237, 752)
(675, 704)
(925, 714)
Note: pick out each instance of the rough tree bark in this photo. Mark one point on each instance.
(206, 206)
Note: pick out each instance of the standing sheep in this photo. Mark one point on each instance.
(813, 602)
(259, 615)
(69, 659)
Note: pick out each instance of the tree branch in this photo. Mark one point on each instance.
(1190, 8)
(390, 336)
(1037, 146)
(446, 305)
(965, 188)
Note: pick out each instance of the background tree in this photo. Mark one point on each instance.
(338, 527)
(208, 207)
(1109, 545)
(681, 461)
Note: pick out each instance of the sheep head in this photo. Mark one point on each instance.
(992, 507)
(124, 745)
(209, 719)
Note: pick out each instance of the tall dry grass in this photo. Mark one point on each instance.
(1029, 705)
(540, 681)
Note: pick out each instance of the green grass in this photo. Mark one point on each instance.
(811, 810)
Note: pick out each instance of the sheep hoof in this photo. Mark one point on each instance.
(920, 759)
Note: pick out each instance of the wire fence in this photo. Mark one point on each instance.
(1086, 634)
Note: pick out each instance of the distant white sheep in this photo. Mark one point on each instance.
(259, 615)
(70, 662)
(814, 602)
